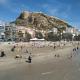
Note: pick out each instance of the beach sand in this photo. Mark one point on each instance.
(38, 53)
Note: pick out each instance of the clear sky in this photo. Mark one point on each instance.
(68, 10)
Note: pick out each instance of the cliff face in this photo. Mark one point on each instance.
(39, 21)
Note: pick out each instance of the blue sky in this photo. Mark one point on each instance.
(68, 10)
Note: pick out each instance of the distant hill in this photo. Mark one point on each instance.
(39, 21)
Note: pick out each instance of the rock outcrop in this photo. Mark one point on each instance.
(39, 21)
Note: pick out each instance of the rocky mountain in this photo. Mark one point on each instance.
(39, 21)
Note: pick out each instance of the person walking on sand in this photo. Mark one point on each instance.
(21, 47)
(29, 59)
(77, 47)
(2, 54)
(26, 51)
(54, 47)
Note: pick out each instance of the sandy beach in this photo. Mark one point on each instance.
(48, 63)
(38, 52)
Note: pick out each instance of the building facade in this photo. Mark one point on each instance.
(23, 31)
(2, 31)
(10, 32)
(72, 30)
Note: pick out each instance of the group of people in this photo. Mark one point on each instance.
(29, 56)
(2, 53)
(74, 52)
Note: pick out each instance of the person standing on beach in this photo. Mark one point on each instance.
(2, 54)
(77, 47)
(29, 59)
(21, 47)
(26, 51)
(54, 46)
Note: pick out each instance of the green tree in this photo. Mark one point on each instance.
(67, 36)
(52, 37)
(38, 35)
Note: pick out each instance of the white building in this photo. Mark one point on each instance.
(10, 31)
(24, 30)
(72, 30)
(2, 30)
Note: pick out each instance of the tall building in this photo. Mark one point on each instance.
(2, 31)
(10, 32)
(72, 30)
